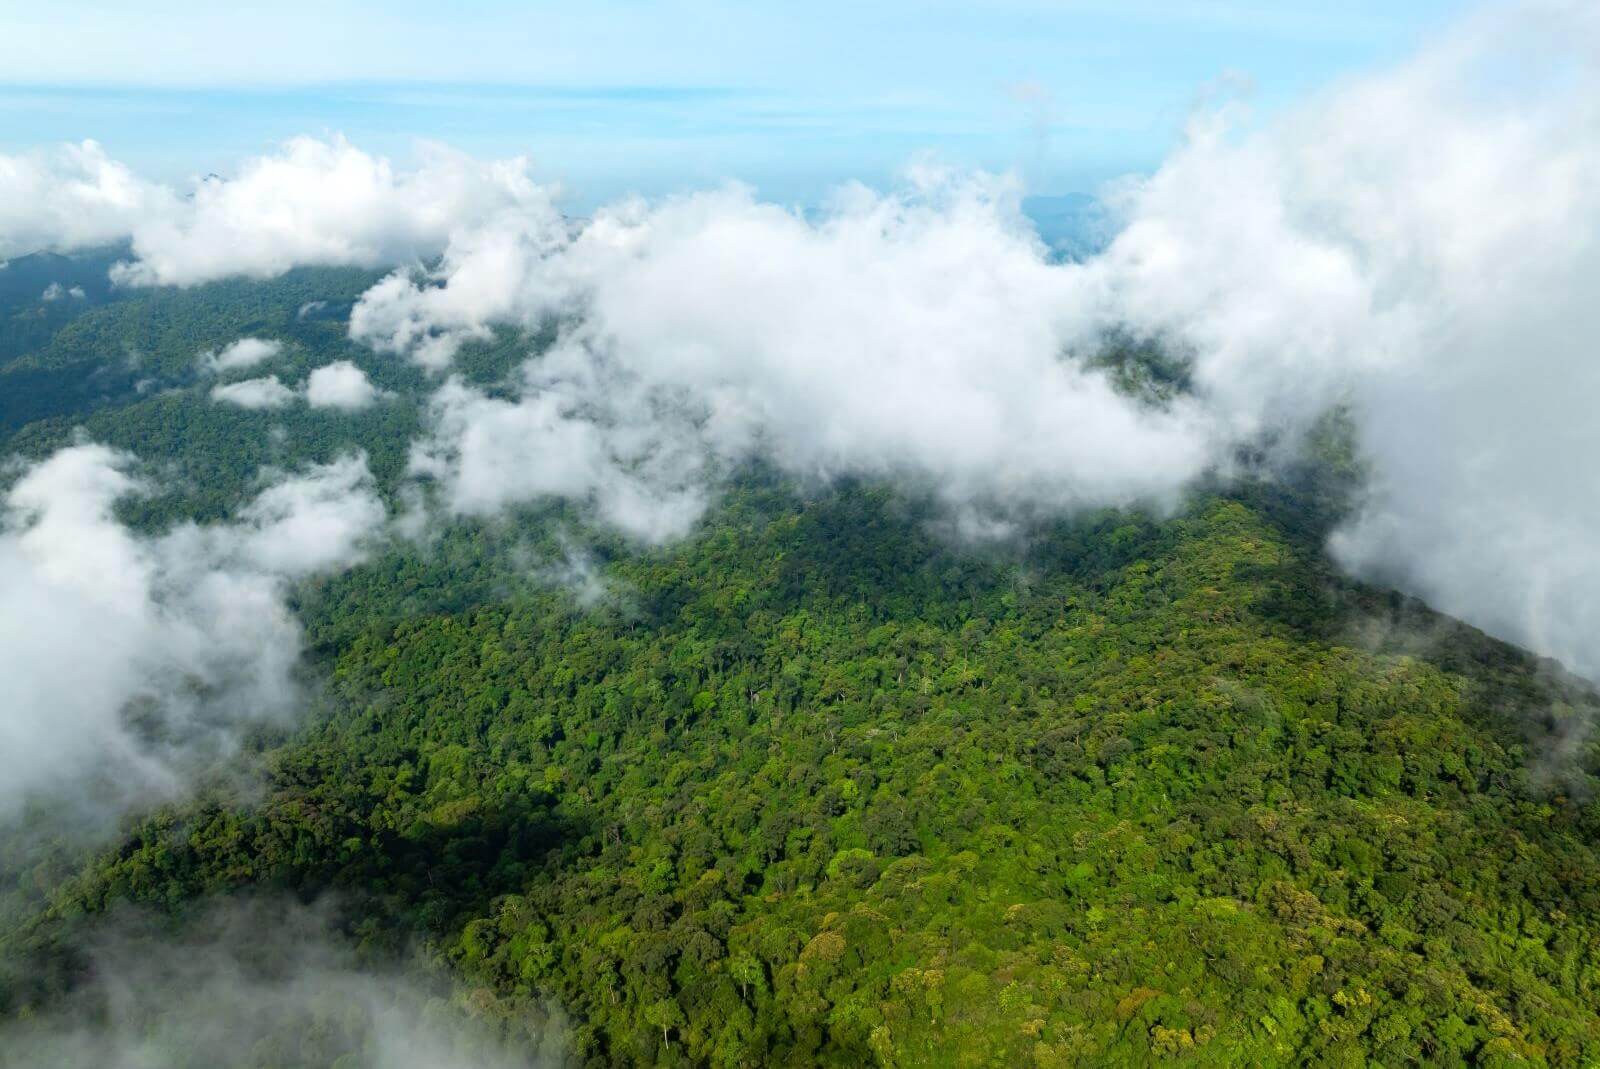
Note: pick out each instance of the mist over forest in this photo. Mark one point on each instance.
(945, 623)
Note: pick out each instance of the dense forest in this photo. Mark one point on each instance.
(822, 784)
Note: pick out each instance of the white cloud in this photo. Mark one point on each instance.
(324, 202)
(340, 385)
(1422, 244)
(71, 197)
(127, 658)
(1425, 244)
(644, 476)
(254, 393)
(922, 334)
(311, 522)
(56, 292)
(313, 201)
(246, 352)
(508, 268)
(577, 571)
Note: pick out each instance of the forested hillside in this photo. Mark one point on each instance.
(826, 784)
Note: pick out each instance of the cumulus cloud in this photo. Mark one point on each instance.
(505, 268)
(255, 981)
(645, 478)
(128, 658)
(304, 524)
(1423, 244)
(922, 334)
(340, 385)
(1420, 245)
(324, 202)
(246, 352)
(72, 197)
(265, 392)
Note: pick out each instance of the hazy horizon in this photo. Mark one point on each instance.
(623, 98)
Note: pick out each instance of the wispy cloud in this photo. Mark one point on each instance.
(131, 661)
(250, 978)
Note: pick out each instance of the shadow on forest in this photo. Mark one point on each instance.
(387, 888)
(422, 879)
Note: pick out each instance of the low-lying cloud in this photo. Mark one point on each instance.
(324, 202)
(265, 392)
(244, 353)
(1424, 245)
(263, 982)
(340, 385)
(1419, 245)
(312, 202)
(922, 334)
(130, 659)
(57, 292)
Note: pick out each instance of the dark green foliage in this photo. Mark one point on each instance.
(829, 791)
(1142, 367)
(43, 292)
(97, 353)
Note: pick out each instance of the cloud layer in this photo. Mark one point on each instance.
(313, 201)
(1424, 244)
(340, 385)
(1419, 244)
(128, 658)
(72, 197)
(57, 292)
(922, 334)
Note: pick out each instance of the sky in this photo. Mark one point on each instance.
(624, 96)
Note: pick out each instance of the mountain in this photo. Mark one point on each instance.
(823, 783)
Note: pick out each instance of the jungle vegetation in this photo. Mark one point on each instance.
(819, 785)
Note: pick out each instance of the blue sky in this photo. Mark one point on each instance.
(621, 96)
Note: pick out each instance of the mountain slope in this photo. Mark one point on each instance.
(816, 789)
